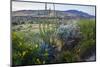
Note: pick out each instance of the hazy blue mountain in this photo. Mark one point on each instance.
(80, 13)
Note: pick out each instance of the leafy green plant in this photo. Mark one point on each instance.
(68, 56)
(87, 44)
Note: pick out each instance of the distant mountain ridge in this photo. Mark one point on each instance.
(80, 13)
(34, 13)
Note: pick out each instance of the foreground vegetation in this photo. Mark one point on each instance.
(53, 43)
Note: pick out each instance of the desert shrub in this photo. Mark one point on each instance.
(68, 57)
(87, 48)
(17, 49)
(87, 44)
(70, 35)
(68, 31)
(23, 53)
(87, 27)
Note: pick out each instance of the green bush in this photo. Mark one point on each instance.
(87, 44)
(68, 56)
(23, 53)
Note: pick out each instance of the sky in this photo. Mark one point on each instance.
(41, 6)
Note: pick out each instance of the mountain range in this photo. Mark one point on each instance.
(24, 15)
(35, 13)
